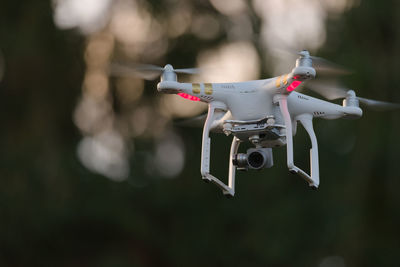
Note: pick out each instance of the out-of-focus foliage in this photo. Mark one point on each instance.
(84, 156)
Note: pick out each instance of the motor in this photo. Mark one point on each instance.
(255, 158)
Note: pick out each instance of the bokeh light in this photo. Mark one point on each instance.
(169, 157)
(105, 153)
(87, 15)
(234, 7)
(294, 25)
(231, 62)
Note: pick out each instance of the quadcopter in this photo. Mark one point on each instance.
(264, 113)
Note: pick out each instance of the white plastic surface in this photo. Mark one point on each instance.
(205, 155)
(306, 121)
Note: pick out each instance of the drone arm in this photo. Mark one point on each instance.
(306, 121)
(205, 154)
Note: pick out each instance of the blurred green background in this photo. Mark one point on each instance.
(94, 173)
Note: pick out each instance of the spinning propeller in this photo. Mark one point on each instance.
(332, 91)
(147, 71)
(323, 66)
(326, 67)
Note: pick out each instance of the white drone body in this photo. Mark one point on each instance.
(263, 112)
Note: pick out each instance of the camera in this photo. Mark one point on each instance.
(255, 158)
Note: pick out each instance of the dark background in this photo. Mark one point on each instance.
(55, 212)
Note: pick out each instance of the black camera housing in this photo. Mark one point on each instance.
(255, 158)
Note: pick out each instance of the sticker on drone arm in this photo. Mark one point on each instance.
(278, 82)
(285, 79)
(196, 88)
(208, 88)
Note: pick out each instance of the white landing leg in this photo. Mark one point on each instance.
(228, 190)
(306, 121)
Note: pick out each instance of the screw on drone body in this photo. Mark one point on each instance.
(255, 139)
(270, 121)
(227, 128)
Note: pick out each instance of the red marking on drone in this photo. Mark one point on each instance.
(293, 86)
(189, 97)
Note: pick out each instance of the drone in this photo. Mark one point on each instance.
(264, 113)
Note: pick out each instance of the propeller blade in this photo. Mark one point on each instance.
(326, 67)
(378, 105)
(332, 91)
(323, 66)
(187, 70)
(148, 67)
(147, 72)
(329, 90)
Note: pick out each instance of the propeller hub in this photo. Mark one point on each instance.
(304, 60)
(351, 99)
(304, 53)
(168, 74)
(168, 67)
(350, 93)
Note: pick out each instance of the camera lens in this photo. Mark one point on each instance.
(256, 160)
